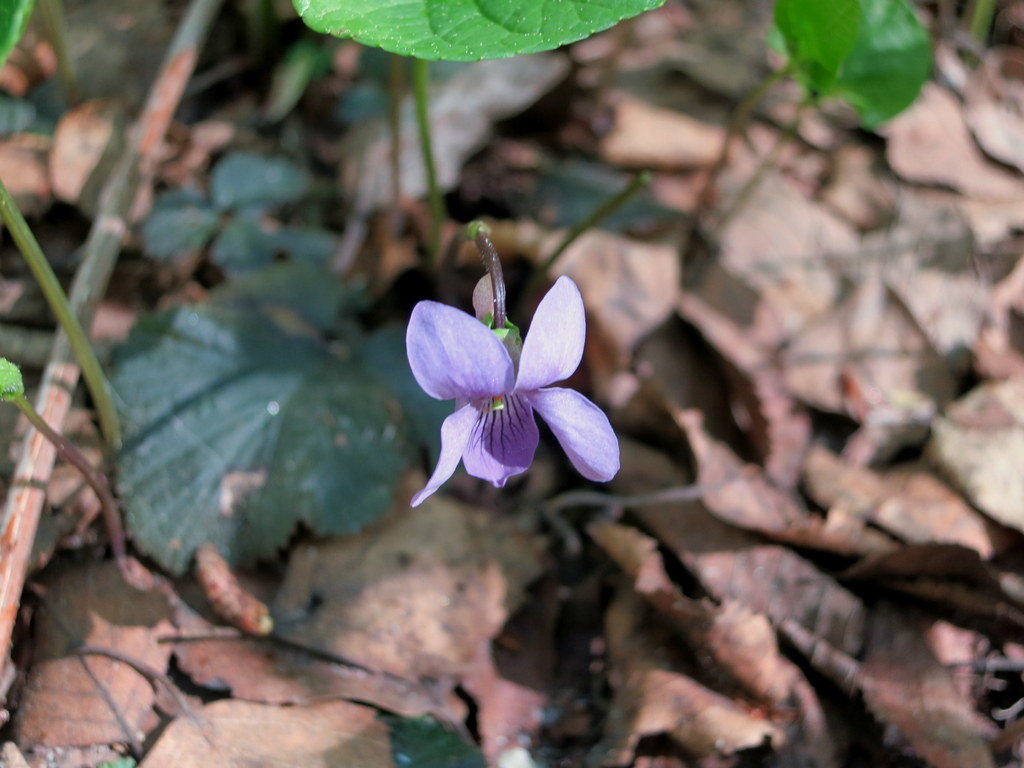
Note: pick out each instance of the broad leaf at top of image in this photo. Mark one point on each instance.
(818, 36)
(467, 30)
(14, 15)
(242, 420)
(889, 64)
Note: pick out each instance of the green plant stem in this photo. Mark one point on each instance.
(767, 162)
(598, 215)
(979, 15)
(58, 301)
(261, 30)
(96, 479)
(55, 27)
(396, 84)
(420, 86)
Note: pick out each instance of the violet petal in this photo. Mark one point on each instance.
(554, 344)
(582, 430)
(455, 434)
(454, 355)
(503, 442)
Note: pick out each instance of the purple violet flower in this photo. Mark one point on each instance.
(454, 356)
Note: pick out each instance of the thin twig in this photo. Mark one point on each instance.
(25, 501)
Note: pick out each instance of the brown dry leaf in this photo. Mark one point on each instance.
(86, 143)
(740, 643)
(909, 502)
(999, 350)
(75, 701)
(735, 565)
(994, 103)
(11, 757)
(645, 136)
(906, 687)
(739, 494)
(260, 671)
(857, 189)
(933, 127)
(413, 596)
(979, 444)
(23, 169)
(653, 697)
(783, 247)
(870, 359)
(780, 433)
(508, 713)
(241, 734)
(629, 287)
(462, 111)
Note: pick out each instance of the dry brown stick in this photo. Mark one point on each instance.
(25, 501)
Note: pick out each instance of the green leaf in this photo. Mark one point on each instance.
(818, 36)
(467, 30)
(244, 179)
(242, 422)
(890, 62)
(306, 244)
(15, 115)
(242, 246)
(180, 222)
(423, 743)
(11, 383)
(14, 15)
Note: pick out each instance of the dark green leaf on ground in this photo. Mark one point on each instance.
(181, 221)
(245, 179)
(424, 743)
(240, 423)
(467, 30)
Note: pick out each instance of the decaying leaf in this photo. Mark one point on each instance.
(646, 136)
(87, 141)
(229, 599)
(80, 701)
(979, 444)
(994, 102)
(908, 502)
(905, 686)
(241, 734)
(414, 596)
(652, 696)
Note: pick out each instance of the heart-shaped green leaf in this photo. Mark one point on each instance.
(890, 62)
(818, 36)
(241, 421)
(467, 30)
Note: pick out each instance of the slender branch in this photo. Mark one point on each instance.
(55, 27)
(420, 86)
(492, 263)
(96, 479)
(66, 317)
(598, 215)
(20, 517)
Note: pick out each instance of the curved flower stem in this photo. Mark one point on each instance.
(55, 26)
(58, 301)
(492, 263)
(598, 215)
(96, 479)
(420, 82)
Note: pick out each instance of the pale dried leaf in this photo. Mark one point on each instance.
(995, 103)
(241, 734)
(979, 444)
(905, 686)
(645, 136)
(413, 596)
(87, 139)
